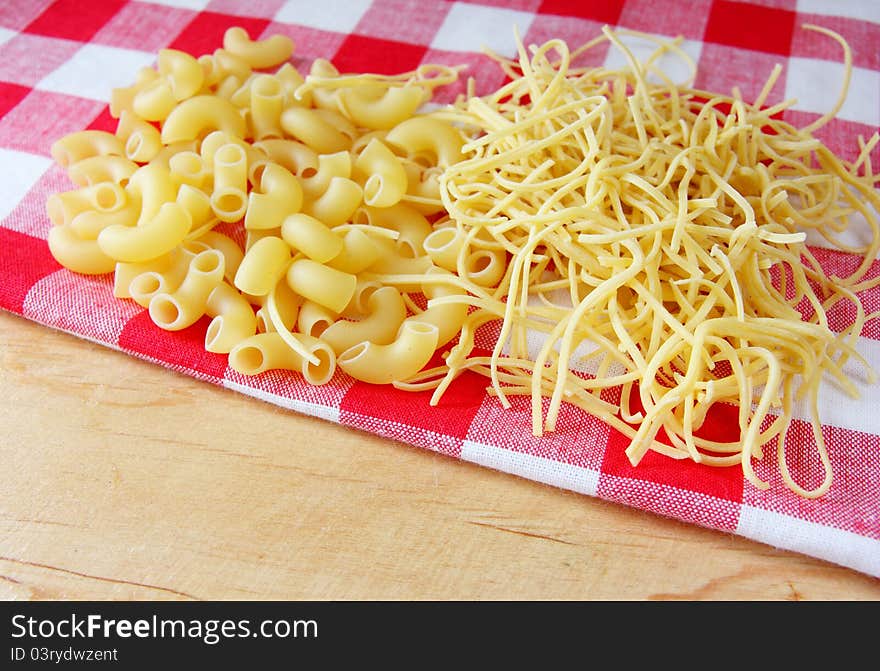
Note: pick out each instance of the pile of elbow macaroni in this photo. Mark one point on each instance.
(333, 178)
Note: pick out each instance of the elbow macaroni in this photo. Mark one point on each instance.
(316, 199)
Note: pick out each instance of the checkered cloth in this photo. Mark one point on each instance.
(59, 61)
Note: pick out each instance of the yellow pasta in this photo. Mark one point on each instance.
(188, 302)
(385, 180)
(264, 263)
(402, 358)
(322, 284)
(311, 237)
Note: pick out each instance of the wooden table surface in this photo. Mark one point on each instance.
(124, 480)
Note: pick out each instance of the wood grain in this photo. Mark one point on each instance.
(124, 480)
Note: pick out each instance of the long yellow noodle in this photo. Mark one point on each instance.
(662, 229)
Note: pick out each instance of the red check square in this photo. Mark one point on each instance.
(749, 26)
(73, 19)
(26, 260)
(367, 54)
(10, 96)
(603, 11)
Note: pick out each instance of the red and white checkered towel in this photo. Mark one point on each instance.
(59, 61)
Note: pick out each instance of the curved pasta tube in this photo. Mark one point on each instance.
(76, 146)
(233, 319)
(395, 362)
(259, 54)
(311, 237)
(281, 196)
(186, 305)
(263, 265)
(313, 319)
(198, 204)
(161, 275)
(95, 169)
(229, 193)
(152, 186)
(444, 245)
(359, 252)
(167, 152)
(199, 115)
(447, 317)
(266, 104)
(322, 284)
(146, 241)
(426, 135)
(316, 181)
(486, 267)
(385, 313)
(183, 73)
(290, 154)
(413, 228)
(62, 208)
(232, 252)
(314, 130)
(154, 101)
(386, 180)
(382, 109)
(188, 167)
(336, 205)
(269, 351)
(392, 262)
(142, 139)
(76, 254)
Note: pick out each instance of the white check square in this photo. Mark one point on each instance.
(19, 171)
(863, 10)
(815, 84)
(95, 70)
(470, 27)
(340, 16)
(6, 35)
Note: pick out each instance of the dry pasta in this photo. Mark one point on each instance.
(654, 230)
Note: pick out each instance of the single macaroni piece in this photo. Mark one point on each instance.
(269, 351)
(314, 130)
(152, 187)
(187, 304)
(311, 237)
(266, 104)
(336, 205)
(395, 362)
(444, 245)
(198, 204)
(142, 139)
(198, 116)
(76, 254)
(126, 273)
(322, 284)
(161, 275)
(183, 73)
(154, 101)
(281, 196)
(169, 151)
(260, 54)
(95, 169)
(290, 154)
(291, 80)
(232, 252)
(313, 319)
(89, 223)
(425, 135)
(423, 187)
(188, 167)
(380, 107)
(359, 252)
(157, 236)
(316, 181)
(74, 147)
(385, 313)
(411, 225)
(233, 319)
(263, 265)
(229, 197)
(385, 179)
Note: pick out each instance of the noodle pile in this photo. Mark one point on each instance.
(656, 239)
